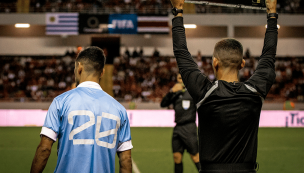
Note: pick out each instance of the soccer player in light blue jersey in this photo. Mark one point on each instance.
(91, 126)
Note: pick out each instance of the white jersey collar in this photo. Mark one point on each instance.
(90, 84)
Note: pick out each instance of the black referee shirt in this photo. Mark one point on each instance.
(184, 107)
(228, 112)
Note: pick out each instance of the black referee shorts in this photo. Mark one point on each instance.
(228, 168)
(225, 171)
(185, 137)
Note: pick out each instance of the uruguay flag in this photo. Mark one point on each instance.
(62, 24)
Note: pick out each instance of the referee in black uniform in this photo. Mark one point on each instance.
(185, 131)
(228, 110)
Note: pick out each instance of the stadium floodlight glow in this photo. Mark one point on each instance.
(191, 26)
(278, 26)
(22, 25)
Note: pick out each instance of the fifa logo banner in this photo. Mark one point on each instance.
(123, 24)
(62, 24)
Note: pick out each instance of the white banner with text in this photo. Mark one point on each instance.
(149, 118)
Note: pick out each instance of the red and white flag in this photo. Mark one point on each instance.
(152, 24)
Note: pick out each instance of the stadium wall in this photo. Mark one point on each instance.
(58, 46)
(248, 28)
(199, 19)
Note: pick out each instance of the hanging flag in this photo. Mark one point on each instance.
(93, 23)
(123, 24)
(62, 24)
(152, 24)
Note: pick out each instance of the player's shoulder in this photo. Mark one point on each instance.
(65, 95)
(114, 107)
(114, 102)
(228, 88)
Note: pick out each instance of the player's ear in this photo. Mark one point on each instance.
(215, 63)
(103, 71)
(243, 63)
(79, 68)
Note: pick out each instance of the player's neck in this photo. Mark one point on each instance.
(91, 78)
(227, 75)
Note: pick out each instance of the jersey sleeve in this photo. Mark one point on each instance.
(195, 82)
(52, 121)
(264, 75)
(124, 134)
(169, 98)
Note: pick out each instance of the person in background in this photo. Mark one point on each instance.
(185, 131)
(288, 105)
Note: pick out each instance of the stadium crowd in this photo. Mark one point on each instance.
(35, 78)
(135, 77)
(135, 6)
(149, 78)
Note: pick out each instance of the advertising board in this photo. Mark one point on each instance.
(150, 118)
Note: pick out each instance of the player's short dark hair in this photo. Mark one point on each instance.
(93, 59)
(229, 52)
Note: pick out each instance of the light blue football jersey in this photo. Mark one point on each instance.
(90, 126)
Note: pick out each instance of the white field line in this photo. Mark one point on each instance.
(135, 168)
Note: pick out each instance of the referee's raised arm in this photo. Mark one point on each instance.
(264, 76)
(194, 80)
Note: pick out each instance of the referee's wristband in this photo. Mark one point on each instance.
(269, 15)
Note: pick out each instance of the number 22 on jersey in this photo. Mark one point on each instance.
(91, 123)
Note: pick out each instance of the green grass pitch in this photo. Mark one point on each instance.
(280, 150)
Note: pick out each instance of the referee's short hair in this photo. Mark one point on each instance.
(229, 51)
(93, 59)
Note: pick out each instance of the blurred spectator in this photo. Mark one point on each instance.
(127, 53)
(141, 52)
(135, 53)
(156, 53)
(288, 105)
